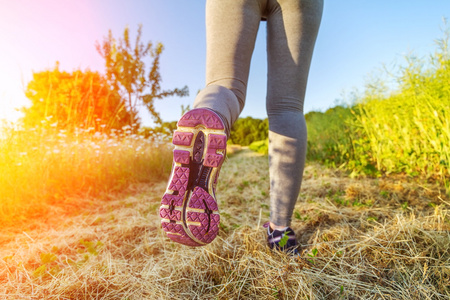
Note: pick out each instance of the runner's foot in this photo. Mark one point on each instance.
(189, 212)
(282, 240)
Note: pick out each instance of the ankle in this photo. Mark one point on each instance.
(277, 227)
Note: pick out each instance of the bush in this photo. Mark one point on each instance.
(248, 130)
(404, 131)
(260, 146)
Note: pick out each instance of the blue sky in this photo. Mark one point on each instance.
(356, 38)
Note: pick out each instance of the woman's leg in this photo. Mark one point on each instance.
(292, 27)
(189, 212)
(231, 29)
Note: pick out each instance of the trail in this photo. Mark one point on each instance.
(116, 249)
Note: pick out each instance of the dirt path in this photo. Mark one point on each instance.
(366, 238)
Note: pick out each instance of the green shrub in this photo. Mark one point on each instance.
(404, 131)
(248, 130)
(260, 146)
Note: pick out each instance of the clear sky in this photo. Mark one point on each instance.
(356, 37)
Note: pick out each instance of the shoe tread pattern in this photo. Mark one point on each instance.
(174, 215)
(182, 138)
(176, 233)
(201, 117)
(203, 227)
(208, 229)
(180, 180)
(181, 156)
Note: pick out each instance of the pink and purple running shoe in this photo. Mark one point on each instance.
(189, 212)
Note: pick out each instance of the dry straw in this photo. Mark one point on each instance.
(359, 241)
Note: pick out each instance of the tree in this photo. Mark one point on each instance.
(80, 99)
(127, 73)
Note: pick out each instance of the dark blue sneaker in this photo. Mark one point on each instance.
(284, 240)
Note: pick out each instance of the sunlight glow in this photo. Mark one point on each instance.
(33, 36)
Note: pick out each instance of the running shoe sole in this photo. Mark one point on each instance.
(189, 212)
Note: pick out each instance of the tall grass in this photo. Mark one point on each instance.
(406, 130)
(409, 131)
(41, 167)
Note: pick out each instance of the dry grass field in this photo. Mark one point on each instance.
(361, 238)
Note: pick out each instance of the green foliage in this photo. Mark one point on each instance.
(47, 258)
(127, 72)
(47, 265)
(284, 239)
(90, 246)
(330, 135)
(405, 131)
(313, 254)
(248, 130)
(79, 99)
(409, 130)
(260, 146)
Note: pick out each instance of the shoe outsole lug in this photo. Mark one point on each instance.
(181, 156)
(201, 116)
(175, 200)
(182, 138)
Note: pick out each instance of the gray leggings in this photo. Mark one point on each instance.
(292, 26)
